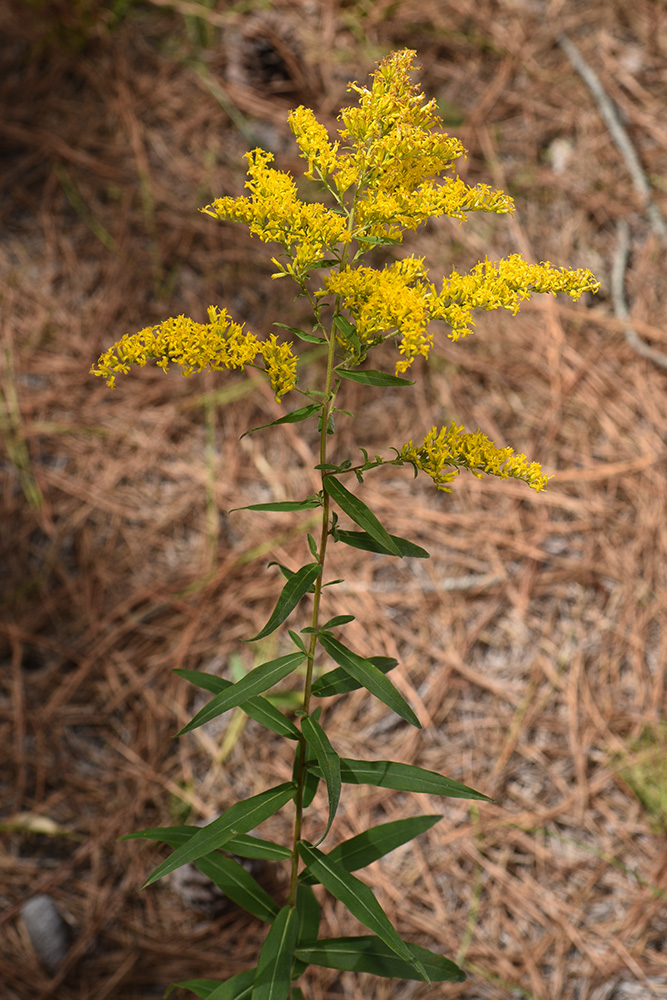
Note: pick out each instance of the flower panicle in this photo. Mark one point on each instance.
(445, 451)
(215, 346)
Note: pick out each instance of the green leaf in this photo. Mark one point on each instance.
(259, 709)
(362, 540)
(239, 818)
(347, 331)
(258, 680)
(239, 885)
(376, 240)
(370, 377)
(274, 967)
(281, 505)
(374, 843)
(370, 954)
(367, 674)
(239, 987)
(290, 595)
(358, 898)
(359, 513)
(172, 835)
(247, 846)
(309, 912)
(337, 621)
(338, 681)
(200, 987)
(329, 762)
(295, 417)
(404, 777)
(309, 338)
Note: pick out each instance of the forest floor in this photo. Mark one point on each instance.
(532, 644)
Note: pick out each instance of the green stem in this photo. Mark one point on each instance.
(327, 407)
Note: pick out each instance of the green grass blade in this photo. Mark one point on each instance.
(239, 818)
(260, 679)
(368, 675)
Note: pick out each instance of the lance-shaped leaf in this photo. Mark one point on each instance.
(283, 505)
(367, 847)
(239, 818)
(404, 777)
(370, 377)
(201, 988)
(359, 512)
(329, 762)
(309, 338)
(359, 900)
(260, 679)
(338, 681)
(238, 885)
(259, 709)
(362, 540)
(295, 417)
(274, 967)
(290, 596)
(309, 912)
(367, 674)
(370, 954)
(239, 987)
(243, 845)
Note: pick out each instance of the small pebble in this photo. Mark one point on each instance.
(47, 929)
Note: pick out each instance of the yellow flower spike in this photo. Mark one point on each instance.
(217, 345)
(503, 285)
(444, 452)
(275, 214)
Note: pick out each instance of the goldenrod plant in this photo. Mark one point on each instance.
(390, 170)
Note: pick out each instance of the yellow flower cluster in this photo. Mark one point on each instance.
(446, 451)
(276, 214)
(381, 301)
(217, 345)
(503, 285)
(400, 297)
(391, 148)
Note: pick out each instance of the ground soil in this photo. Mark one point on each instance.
(532, 644)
